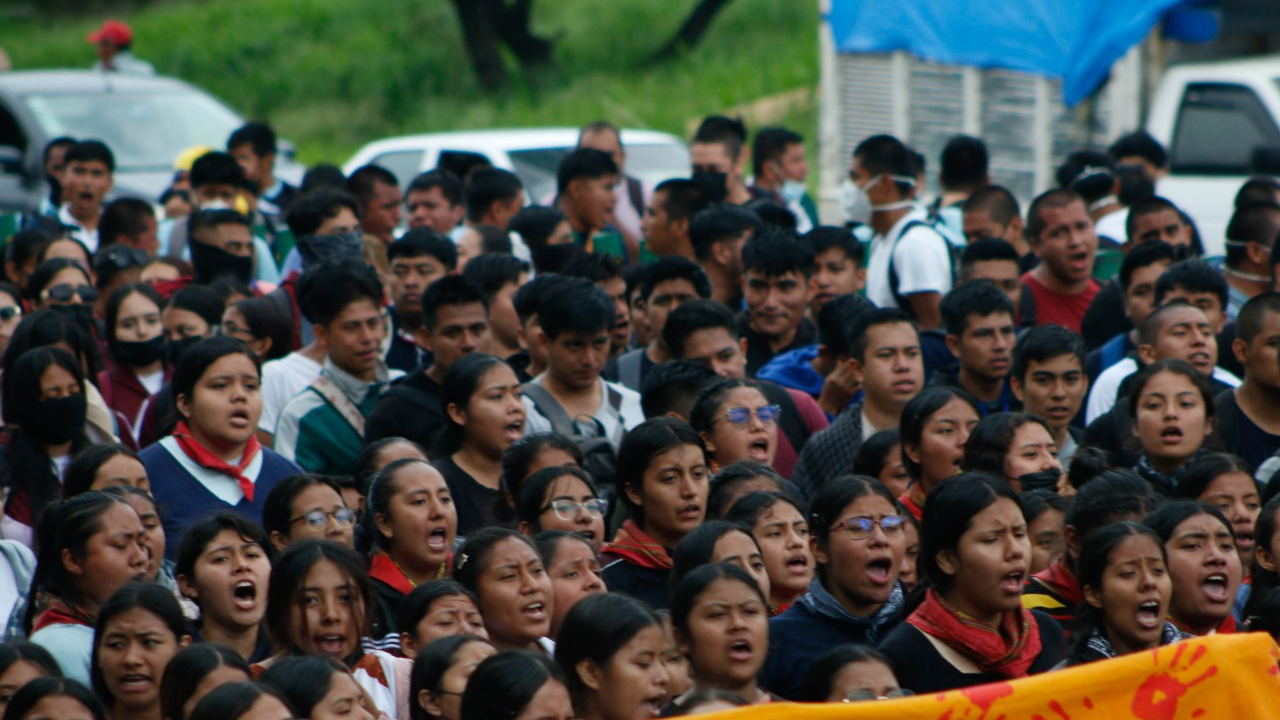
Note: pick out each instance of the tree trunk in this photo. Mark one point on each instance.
(513, 27)
(693, 29)
(480, 32)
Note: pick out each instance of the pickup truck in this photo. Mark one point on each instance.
(1220, 123)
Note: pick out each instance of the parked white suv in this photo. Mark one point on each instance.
(532, 154)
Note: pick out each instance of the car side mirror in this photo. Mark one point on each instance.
(10, 160)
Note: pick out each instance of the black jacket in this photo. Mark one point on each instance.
(410, 409)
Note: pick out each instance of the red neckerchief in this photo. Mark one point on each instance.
(637, 548)
(1008, 652)
(1228, 626)
(290, 287)
(206, 459)
(1060, 579)
(53, 610)
(382, 567)
(167, 288)
(914, 500)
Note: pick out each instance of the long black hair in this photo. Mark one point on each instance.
(83, 469)
(699, 546)
(289, 573)
(949, 513)
(43, 328)
(1110, 496)
(917, 413)
(382, 487)
(189, 668)
(15, 651)
(231, 701)
(831, 500)
(595, 629)
(193, 364)
(991, 438)
(532, 498)
(303, 680)
(456, 388)
(503, 685)
(648, 440)
(118, 296)
(1095, 557)
(156, 600)
(29, 695)
(822, 673)
(1263, 580)
(429, 669)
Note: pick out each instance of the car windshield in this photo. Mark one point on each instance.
(145, 131)
(651, 164)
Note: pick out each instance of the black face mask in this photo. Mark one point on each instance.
(57, 420)
(210, 263)
(1043, 480)
(335, 248)
(174, 349)
(715, 185)
(139, 354)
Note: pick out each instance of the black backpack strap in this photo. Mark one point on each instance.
(636, 192)
(900, 299)
(629, 366)
(551, 409)
(791, 423)
(1027, 307)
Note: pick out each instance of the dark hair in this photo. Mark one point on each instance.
(532, 497)
(1110, 496)
(1194, 275)
(720, 222)
(948, 515)
(964, 163)
(460, 382)
(822, 673)
(535, 224)
(90, 151)
(30, 469)
(702, 415)
(1095, 557)
(682, 198)
(733, 475)
(449, 290)
(548, 543)
(504, 684)
(118, 296)
(987, 249)
(325, 290)
(587, 163)
(531, 296)
(692, 317)
(1260, 188)
(1177, 367)
(873, 453)
(30, 695)
(1262, 613)
(1263, 581)
(996, 201)
(1252, 315)
(231, 701)
(199, 357)
(299, 680)
(1038, 502)
(1165, 519)
(1088, 172)
(1043, 343)
(277, 511)
(1139, 143)
(990, 440)
(425, 242)
(691, 586)
(770, 145)
(858, 332)
(835, 319)
(831, 500)
(674, 267)
(289, 572)
(1049, 199)
(595, 629)
(1142, 208)
(596, 267)
(123, 216)
(672, 386)
(973, 298)
(44, 273)
(827, 237)
(430, 666)
(1144, 255)
(361, 182)
(201, 300)
(198, 537)
(774, 253)
(698, 547)
(15, 651)
(151, 597)
(258, 135)
(46, 327)
(748, 509)
(887, 155)
(1254, 222)
(472, 558)
(84, 466)
(450, 185)
(24, 245)
(314, 207)
(1201, 472)
(721, 130)
(579, 307)
(187, 669)
(418, 602)
(486, 186)
(264, 318)
(216, 168)
(65, 525)
(492, 272)
(917, 413)
(380, 490)
(641, 445)
(522, 453)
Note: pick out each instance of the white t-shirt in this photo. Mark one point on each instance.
(1102, 396)
(281, 380)
(152, 382)
(1114, 226)
(921, 257)
(630, 413)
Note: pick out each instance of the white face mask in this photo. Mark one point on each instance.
(854, 201)
(791, 191)
(216, 204)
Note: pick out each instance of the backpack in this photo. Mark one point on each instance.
(953, 257)
(599, 458)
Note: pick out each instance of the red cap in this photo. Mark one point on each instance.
(115, 32)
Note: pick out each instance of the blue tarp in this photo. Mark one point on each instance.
(1076, 41)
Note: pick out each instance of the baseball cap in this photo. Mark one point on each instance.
(115, 32)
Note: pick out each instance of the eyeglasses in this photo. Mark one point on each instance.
(741, 416)
(862, 695)
(125, 257)
(861, 528)
(9, 312)
(568, 509)
(64, 292)
(318, 518)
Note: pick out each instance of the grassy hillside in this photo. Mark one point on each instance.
(334, 74)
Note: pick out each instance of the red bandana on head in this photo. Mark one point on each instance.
(206, 459)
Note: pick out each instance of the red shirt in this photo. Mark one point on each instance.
(1055, 308)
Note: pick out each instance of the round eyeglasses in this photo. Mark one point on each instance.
(320, 518)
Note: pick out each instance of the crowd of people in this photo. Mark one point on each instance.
(269, 454)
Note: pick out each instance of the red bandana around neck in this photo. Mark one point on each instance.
(206, 459)
(1008, 652)
(53, 610)
(637, 548)
(1060, 579)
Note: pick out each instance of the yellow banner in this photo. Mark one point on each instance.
(1223, 676)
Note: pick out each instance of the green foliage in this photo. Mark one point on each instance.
(334, 74)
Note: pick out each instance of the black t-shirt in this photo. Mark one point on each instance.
(474, 502)
(1105, 317)
(758, 351)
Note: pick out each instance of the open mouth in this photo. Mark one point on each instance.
(438, 539)
(740, 651)
(588, 534)
(798, 565)
(1200, 359)
(1215, 588)
(691, 512)
(1080, 259)
(1171, 435)
(878, 571)
(535, 610)
(134, 682)
(1012, 582)
(331, 644)
(245, 595)
(759, 450)
(1244, 538)
(239, 418)
(652, 707)
(1148, 615)
(515, 427)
